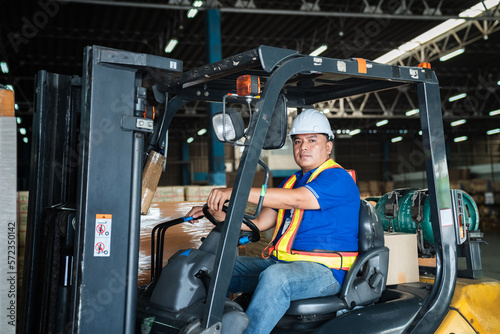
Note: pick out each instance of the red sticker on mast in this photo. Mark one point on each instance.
(102, 237)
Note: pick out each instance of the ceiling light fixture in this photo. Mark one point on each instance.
(354, 132)
(384, 122)
(4, 67)
(459, 139)
(202, 132)
(396, 139)
(459, 122)
(193, 11)
(493, 131)
(412, 112)
(495, 112)
(438, 30)
(452, 54)
(190, 140)
(25, 139)
(171, 45)
(319, 50)
(457, 97)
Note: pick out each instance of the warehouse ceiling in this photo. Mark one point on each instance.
(51, 35)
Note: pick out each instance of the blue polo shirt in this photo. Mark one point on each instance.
(334, 227)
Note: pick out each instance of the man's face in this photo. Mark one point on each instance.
(310, 150)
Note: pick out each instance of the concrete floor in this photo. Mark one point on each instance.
(490, 255)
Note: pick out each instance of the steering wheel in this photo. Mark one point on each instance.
(254, 237)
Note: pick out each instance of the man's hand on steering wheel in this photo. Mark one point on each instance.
(215, 210)
(255, 232)
(218, 197)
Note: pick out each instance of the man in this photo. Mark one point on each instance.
(315, 216)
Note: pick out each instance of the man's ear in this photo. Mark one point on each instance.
(329, 145)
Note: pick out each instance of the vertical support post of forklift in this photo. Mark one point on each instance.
(436, 305)
(109, 194)
(134, 232)
(8, 223)
(216, 159)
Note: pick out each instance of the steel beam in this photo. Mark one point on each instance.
(216, 159)
(264, 11)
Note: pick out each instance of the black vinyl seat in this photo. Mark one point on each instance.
(366, 279)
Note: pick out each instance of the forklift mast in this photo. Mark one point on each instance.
(104, 194)
(88, 158)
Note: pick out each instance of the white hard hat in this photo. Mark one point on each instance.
(311, 121)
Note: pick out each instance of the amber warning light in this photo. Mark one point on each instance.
(248, 85)
(424, 65)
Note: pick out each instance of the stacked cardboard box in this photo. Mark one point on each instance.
(22, 218)
(197, 193)
(258, 179)
(363, 187)
(456, 174)
(169, 194)
(374, 188)
(479, 185)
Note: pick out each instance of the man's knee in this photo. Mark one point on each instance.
(274, 275)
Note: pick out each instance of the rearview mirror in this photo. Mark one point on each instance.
(276, 134)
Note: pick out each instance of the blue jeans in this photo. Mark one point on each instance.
(275, 284)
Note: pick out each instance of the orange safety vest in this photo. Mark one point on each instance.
(282, 250)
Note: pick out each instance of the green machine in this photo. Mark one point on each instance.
(408, 210)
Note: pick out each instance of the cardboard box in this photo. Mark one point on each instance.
(258, 179)
(465, 185)
(22, 218)
(495, 186)
(374, 187)
(389, 186)
(169, 194)
(363, 187)
(456, 174)
(150, 177)
(479, 185)
(197, 193)
(403, 257)
(22, 215)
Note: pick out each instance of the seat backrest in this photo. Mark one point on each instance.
(371, 233)
(366, 279)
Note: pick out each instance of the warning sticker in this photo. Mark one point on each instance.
(102, 239)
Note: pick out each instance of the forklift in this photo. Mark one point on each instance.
(92, 135)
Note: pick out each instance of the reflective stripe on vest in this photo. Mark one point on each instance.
(282, 250)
